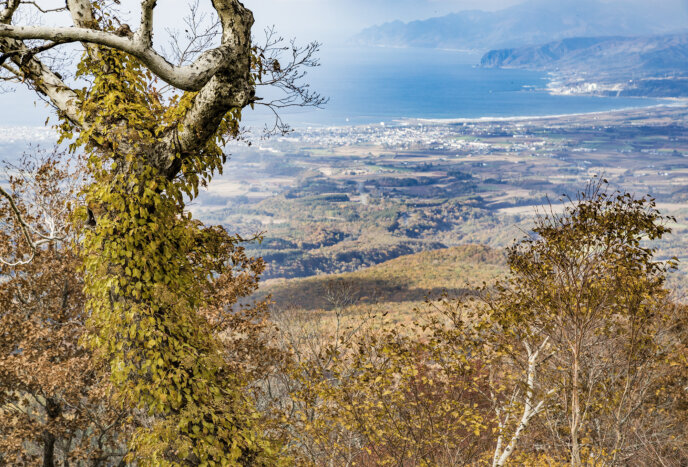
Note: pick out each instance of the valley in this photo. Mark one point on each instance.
(337, 200)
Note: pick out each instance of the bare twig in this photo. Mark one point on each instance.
(27, 232)
(283, 66)
(200, 33)
(44, 10)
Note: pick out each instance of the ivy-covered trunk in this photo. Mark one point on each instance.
(142, 280)
(147, 263)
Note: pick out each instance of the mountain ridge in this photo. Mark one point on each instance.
(533, 22)
(408, 279)
(661, 53)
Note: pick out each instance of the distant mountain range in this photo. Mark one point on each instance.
(532, 22)
(655, 54)
(647, 66)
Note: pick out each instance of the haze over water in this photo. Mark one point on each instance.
(370, 85)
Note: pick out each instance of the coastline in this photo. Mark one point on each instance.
(671, 103)
(22, 133)
(666, 103)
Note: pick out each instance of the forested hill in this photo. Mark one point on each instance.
(532, 22)
(645, 55)
(408, 279)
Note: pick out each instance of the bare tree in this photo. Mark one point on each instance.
(283, 65)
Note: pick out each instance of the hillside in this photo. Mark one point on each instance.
(619, 65)
(533, 22)
(402, 281)
(668, 53)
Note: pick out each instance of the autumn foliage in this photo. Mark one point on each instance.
(57, 400)
(54, 395)
(128, 335)
(575, 359)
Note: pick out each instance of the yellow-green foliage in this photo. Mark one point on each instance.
(383, 398)
(147, 263)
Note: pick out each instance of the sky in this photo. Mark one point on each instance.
(336, 20)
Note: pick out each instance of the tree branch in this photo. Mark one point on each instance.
(41, 78)
(529, 411)
(199, 34)
(26, 232)
(222, 76)
(230, 87)
(144, 36)
(26, 54)
(8, 12)
(283, 67)
(188, 78)
(43, 10)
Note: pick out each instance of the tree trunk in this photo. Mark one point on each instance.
(53, 411)
(575, 411)
(48, 449)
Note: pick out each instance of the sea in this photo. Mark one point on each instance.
(373, 85)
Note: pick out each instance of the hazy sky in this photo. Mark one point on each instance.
(338, 19)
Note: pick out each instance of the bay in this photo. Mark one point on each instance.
(369, 85)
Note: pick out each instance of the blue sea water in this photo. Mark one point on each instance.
(369, 85)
